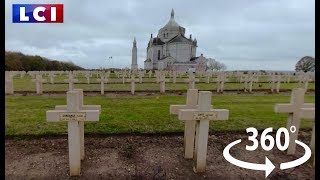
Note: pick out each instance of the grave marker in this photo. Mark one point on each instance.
(103, 79)
(191, 80)
(39, 83)
(73, 115)
(189, 128)
(81, 123)
(202, 115)
(51, 76)
(70, 80)
(162, 80)
(222, 77)
(132, 80)
(293, 109)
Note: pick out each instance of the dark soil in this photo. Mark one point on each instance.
(144, 157)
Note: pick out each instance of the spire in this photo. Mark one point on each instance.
(134, 42)
(172, 14)
(151, 35)
(190, 36)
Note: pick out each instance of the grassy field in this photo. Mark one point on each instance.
(26, 84)
(144, 114)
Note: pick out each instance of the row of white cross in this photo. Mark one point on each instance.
(248, 81)
(196, 113)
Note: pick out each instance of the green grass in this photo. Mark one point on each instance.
(144, 114)
(25, 84)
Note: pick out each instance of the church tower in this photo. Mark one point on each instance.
(134, 64)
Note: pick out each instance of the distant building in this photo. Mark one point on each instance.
(171, 50)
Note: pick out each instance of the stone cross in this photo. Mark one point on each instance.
(288, 77)
(81, 123)
(9, 83)
(222, 77)
(189, 128)
(51, 76)
(202, 115)
(162, 80)
(73, 114)
(141, 75)
(103, 79)
(252, 78)
(309, 113)
(245, 79)
(132, 80)
(70, 80)
(88, 75)
(275, 82)
(191, 80)
(39, 82)
(174, 77)
(150, 73)
(293, 109)
(208, 75)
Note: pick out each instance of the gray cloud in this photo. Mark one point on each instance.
(271, 35)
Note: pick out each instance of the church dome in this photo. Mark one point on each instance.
(172, 22)
(171, 29)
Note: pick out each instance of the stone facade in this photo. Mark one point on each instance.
(171, 50)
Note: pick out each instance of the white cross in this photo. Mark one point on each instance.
(88, 75)
(220, 82)
(293, 109)
(309, 113)
(276, 81)
(208, 75)
(202, 115)
(132, 80)
(39, 82)
(141, 75)
(103, 79)
(51, 76)
(162, 80)
(70, 80)
(191, 80)
(189, 128)
(174, 76)
(73, 114)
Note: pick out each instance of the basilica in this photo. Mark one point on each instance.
(171, 50)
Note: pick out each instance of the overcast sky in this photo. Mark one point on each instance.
(243, 34)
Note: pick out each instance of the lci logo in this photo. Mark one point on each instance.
(37, 13)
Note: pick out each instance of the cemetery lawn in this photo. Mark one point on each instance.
(25, 115)
(149, 84)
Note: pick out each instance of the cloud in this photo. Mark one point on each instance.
(271, 35)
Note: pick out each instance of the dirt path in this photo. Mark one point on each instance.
(143, 157)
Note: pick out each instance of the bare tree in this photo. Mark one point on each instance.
(212, 64)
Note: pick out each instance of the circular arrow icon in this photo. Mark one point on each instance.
(268, 166)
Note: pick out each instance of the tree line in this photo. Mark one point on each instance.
(16, 61)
